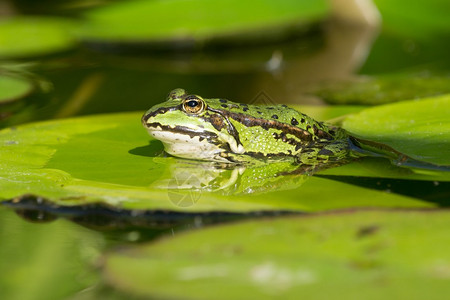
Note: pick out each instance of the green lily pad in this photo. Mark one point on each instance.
(197, 21)
(108, 159)
(418, 128)
(415, 19)
(374, 253)
(13, 88)
(383, 89)
(413, 37)
(34, 36)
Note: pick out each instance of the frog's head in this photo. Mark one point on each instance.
(189, 128)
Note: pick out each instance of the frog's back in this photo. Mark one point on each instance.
(269, 116)
(274, 131)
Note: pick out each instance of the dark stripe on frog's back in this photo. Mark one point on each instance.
(278, 117)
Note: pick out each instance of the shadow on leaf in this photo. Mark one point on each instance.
(154, 148)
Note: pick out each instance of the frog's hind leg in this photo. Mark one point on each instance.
(335, 153)
(361, 147)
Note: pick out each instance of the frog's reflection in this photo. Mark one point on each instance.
(232, 179)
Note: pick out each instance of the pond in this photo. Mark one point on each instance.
(93, 207)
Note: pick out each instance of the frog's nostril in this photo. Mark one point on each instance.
(145, 118)
(176, 94)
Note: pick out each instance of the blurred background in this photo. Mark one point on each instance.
(64, 58)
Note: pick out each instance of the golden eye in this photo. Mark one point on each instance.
(193, 104)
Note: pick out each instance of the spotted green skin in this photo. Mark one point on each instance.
(230, 132)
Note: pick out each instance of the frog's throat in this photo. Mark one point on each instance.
(188, 143)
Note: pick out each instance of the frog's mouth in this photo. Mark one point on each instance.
(168, 131)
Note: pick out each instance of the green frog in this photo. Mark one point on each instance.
(222, 131)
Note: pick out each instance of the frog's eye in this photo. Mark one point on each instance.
(193, 104)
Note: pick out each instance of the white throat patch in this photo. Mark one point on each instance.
(182, 145)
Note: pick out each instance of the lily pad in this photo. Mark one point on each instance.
(415, 19)
(34, 36)
(371, 254)
(107, 159)
(413, 37)
(383, 89)
(13, 88)
(197, 21)
(418, 128)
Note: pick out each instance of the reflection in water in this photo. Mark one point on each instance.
(36, 216)
(115, 220)
(232, 179)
